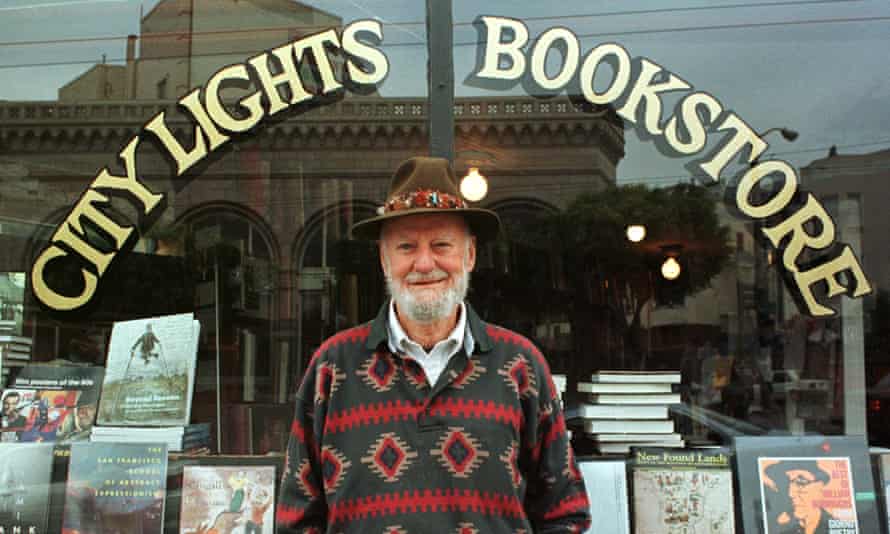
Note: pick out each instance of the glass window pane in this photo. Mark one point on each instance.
(575, 155)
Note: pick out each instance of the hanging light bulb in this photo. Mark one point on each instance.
(474, 186)
(636, 233)
(670, 269)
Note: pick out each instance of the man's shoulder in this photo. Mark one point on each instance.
(344, 339)
(504, 337)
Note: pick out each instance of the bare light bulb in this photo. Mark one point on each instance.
(636, 233)
(474, 186)
(670, 269)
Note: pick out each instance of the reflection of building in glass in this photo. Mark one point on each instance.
(183, 42)
(262, 229)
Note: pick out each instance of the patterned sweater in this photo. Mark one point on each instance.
(375, 449)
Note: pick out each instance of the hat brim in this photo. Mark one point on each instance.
(484, 224)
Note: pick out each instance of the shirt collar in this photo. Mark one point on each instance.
(396, 336)
(379, 330)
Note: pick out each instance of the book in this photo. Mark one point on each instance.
(619, 426)
(25, 481)
(882, 478)
(616, 411)
(622, 437)
(624, 447)
(178, 462)
(623, 387)
(669, 377)
(177, 438)
(606, 482)
(814, 482)
(115, 487)
(220, 497)
(150, 372)
(681, 490)
(86, 380)
(648, 398)
(37, 414)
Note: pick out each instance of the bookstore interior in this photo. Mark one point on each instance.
(691, 196)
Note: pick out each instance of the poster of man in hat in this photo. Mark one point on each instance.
(807, 496)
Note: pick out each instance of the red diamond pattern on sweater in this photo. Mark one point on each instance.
(304, 479)
(471, 372)
(459, 452)
(333, 468)
(518, 375)
(389, 456)
(511, 459)
(379, 372)
(395, 529)
(328, 379)
(466, 528)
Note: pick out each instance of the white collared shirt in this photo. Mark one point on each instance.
(434, 361)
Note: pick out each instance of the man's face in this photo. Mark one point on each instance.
(427, 260)
(803, 488)
(85, 416)
(9, 404)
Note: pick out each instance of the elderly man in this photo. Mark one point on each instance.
(427, 419)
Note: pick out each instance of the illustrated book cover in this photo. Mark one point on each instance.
(806, 484)
(25, 481)
(115, 487)
(37, 415)
(86, 380)
(178, 464)
(150, 372)
(227, 497)
(688, 490)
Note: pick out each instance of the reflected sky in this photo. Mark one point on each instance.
(818, 67)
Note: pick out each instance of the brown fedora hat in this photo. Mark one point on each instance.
(427, 185)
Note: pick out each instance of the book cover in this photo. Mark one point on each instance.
(624, 447)
(115, 487)
(37, 415)
(606, 483)
(686, 490)
(616, 411)
(177, 464)
(623, 387)
(669, 377)
(883, 461)
(150, 372)
(87, 380)
(644, 398)
(223, 497)
(618, 426)
(806, 483)
(25, 481)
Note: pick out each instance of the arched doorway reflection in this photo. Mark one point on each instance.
(517, 281)
(235, 259)
(338, 280)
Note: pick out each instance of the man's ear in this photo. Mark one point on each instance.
(471, 253)
(382, 255)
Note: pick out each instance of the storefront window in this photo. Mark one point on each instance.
(210, 157)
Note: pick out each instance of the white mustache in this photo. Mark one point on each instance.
(432, 276)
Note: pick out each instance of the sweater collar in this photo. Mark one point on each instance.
(476, 325)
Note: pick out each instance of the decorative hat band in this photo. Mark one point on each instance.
(424, 198)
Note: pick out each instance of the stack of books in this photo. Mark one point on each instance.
(177, 438)
(628, 409)
(560, 382)
(148, 384)
(15, 350)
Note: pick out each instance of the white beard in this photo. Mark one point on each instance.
(428, 305)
